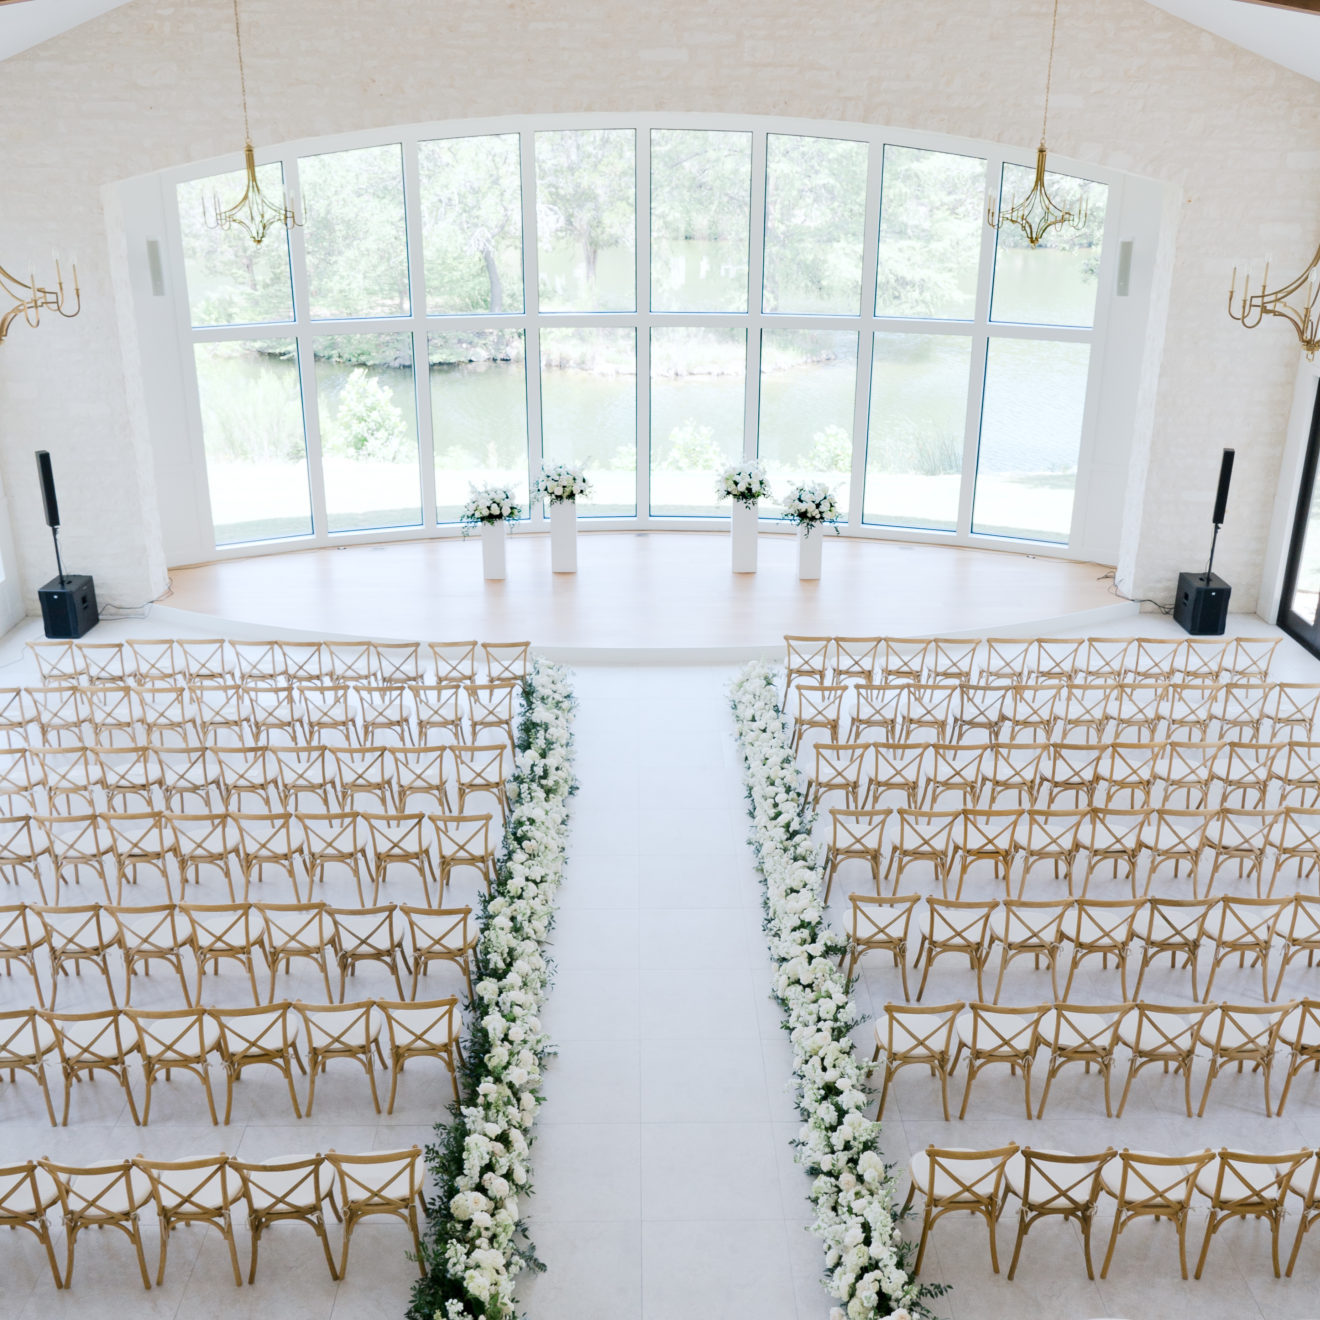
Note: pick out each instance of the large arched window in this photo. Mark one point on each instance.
(651, 298)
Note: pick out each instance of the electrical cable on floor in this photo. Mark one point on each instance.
(1135, 600)
(141, 611)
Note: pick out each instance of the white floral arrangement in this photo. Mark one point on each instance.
(560, 482)
(744, 483)
(475, 1245)
(811, 505)
(490, 504)
(854, 1192)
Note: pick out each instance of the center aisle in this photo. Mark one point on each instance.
(664, 1182)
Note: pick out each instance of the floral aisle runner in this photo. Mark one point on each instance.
(854, 1192)
(474, 1246)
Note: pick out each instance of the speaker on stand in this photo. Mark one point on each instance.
(1201, 605)
(68, 601)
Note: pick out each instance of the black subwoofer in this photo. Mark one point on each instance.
(1201, 605)
(68, 605)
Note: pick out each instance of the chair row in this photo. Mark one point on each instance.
(1172, 1035)
(276, 778)
(1042, 712)
(207, 1191)
(1138, 931)
(1187, 774)
(345, 938)
(1260, 844)
(293, 847)
(165, 660)
(225, 713)
(1046, 1184)
(188, 1040)
(1015, 659)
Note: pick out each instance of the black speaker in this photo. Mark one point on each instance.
(68, 606)
(1201, 606)
(1221, 496)
(47, 476)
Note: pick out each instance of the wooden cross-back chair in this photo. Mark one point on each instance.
(479, 770)
(200, 840)
(1188, 709)
(140, 840)
(1054, 659)
(131, 778)
(932, 708)
(28, 1194)
(305, 772)
(1177, 835)
(419, 778)
(1240, 835)
(954, 768)
(259, 664)
(1114, 836)
(422, 1029)
(1151, 1186)
(1139, 713)
(1241, 711)
(1305, 1186)
(366, 776)
(26, 1040)
(1245, 928)
(895, 768)
(70, 777)
(839, 768)
(1104, 928)
(334, 838)
(57, 661)
(493, 709)
(1204, 659)
(22, 850)
(982, 709)
(991, 1034)
(463, 842)
(265, 842)
(176, 1039)
(454, 662)
(304, 662)
(952, 659)
(327, 713)
(78, 845)
(77, 936)
(20, 780)
(1291, 710)
(439, 706)
(956, 927)
(112, 712)
(1242, 1185)
(1053, 836)
(916, 1034)
(350, 662)
(91, 1043)
(368, 935)
(439, 935)
(1069, 772)
(1246, 773)
(276, 715)
(1296, 844)
(1166, 1034)
(396, 662)
(1085, 1034)
(1154, 658)
(191, 772)
(248, 776)
(1186, 774)
(223, 932)
(292, 931)
(959, 1180)
(855, 659)
(348, 1031)
(384, 710)
(880, 925)
(1175, 926)
(1241, 1034)
(284, 1191)
(1126, 774)
(1298, 929)
(262, 1036)
(1006, 659)
(1085, 712)
(399, 839)
(923, 838)
(21, 936)
(903, 659)
(1105, 659)
(1251, 657)
(147, 935)
(855, 836)
(222, 712)
(1029, 928)
(199, 1191)
(506, 660)
(815, 706)
(167, 715)
(154, 660)
(380, 1183)
(1012, 771)
(987, 837)
(1297, 774)
(1053, 1185)
(110, 1195)
(63, 715)
(203, 659)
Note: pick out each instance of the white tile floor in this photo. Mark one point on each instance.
(664, 1180)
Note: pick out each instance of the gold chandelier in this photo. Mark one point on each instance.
(1254, 307)
(31, 299)
(254, 212)
(1037, 213)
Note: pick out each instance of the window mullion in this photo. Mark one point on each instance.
(412, 219)
(306, 358)
(531, 308)
(642, 333)
(866, 339)
(980, 343)
(755, 285)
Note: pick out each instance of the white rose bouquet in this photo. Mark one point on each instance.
(811, 505)
(560, 482)
(490, 504)
(744, 482)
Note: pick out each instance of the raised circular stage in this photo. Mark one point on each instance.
(645, 592)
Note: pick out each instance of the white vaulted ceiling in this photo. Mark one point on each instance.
(30, 22)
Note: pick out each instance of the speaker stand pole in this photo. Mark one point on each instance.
(64, 582)
(1213, 538)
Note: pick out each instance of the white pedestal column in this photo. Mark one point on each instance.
(494, 538)
(746, 523)
(810, 540)
(563, 537)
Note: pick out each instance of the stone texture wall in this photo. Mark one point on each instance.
(153, 85)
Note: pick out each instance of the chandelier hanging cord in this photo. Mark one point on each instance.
(1049, 72)
(242, 72)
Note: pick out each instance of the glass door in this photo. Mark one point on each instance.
(1300, 607)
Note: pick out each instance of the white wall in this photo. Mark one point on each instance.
(151, 86)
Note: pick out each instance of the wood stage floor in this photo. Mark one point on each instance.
(644, 592)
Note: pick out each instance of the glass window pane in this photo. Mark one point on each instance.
(252, 430)
(1031, 431)
(586, 220)
(589, 412)
(1055, 282)
(471, 193)
(357, 243)
(368, 419)
(700, 219)
(914, 452)
(231, 279)
(698, 397)
(478, 415)
(932, 209)
(808, 387)
(815, 212)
